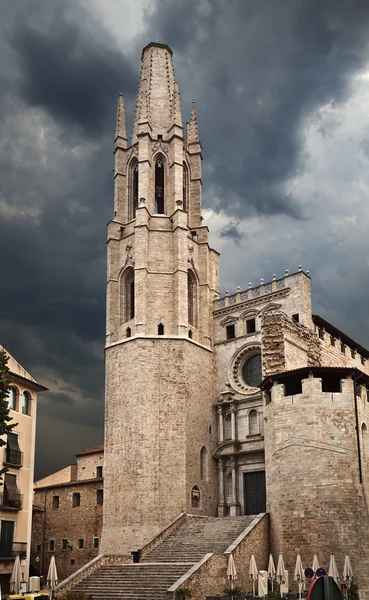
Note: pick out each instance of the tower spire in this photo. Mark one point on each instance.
(120, 128)
(144, 108)
(193, 129)
(177, 114)
(156, 93)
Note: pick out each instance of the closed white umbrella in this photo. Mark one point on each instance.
(280, 571)
(299, 574)
(271, 569)
(231, 570)
(315, 566)
(333, 571)
(52, 576)
(16, 577)
(348, 574)
(253, 572)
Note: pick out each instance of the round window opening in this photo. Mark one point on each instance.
(251, 370)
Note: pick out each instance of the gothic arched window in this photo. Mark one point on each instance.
(365, 437)
(133, 190)
(26, 403)
(128, 294)
(185, 187)
(253, 423)
(192, 298)
(159, 186)
(13, 398)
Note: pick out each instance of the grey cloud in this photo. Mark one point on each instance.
(233, 232)
(256, 70)
(72, 71)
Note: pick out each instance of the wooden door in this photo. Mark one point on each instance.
(254, 492)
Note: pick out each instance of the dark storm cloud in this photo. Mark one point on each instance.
(73, 73)
(232, 231)
(56, 183)
(257, 69)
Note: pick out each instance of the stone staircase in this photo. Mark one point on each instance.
(132, 582)
(196, 537)
(166, 563)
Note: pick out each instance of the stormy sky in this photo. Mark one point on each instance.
(282, 93)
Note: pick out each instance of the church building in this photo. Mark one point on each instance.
(228, 412)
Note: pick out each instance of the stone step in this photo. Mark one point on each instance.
(164, 565)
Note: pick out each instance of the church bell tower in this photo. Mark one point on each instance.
(161, 282)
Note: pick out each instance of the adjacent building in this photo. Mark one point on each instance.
(67, 515)
(17, 486)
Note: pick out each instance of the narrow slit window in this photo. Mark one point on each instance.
(192, 298)
(128, 297)
(160, 329)
(133, 190)
(185, 187)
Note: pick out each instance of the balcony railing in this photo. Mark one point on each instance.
(11, 550)
(11, 501)
(13, 458)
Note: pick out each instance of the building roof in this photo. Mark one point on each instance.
(153, 44)
(18, 372)
(267, 382)
(76, 483)
(92, 450)
(345, 339)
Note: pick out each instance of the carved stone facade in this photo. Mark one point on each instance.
(189, 424)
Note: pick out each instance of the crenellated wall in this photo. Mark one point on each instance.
(314, 495)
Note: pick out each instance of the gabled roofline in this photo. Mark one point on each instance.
(30, 382)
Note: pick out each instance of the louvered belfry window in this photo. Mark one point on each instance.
(159, 186)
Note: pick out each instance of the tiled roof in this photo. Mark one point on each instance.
(92, 450)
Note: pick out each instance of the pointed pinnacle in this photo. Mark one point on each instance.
(193, 130)
(177, 114)
(120, 129)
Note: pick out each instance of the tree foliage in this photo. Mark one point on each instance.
(5, 418)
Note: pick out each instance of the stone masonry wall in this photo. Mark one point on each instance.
(87, 465)
(159, 415)
(210, 578)
(287, 345)
(314, 496)
(66, 522)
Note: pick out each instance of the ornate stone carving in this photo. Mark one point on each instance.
(235, 369)
(160, 146)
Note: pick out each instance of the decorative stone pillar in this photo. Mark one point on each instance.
(220, 424)
(233, 421)
(235, 507)
(221, 505)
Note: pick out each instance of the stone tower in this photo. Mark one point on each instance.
(161, 282)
